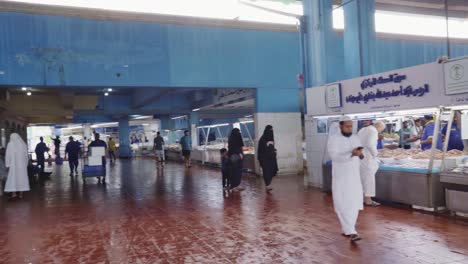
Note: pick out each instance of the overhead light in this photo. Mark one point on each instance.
(104, 125)
(178, 117)
(248, 116)
(109, 89)
(196, 109)
(126, 65)
(24, 88)
(142, 117)
(72, 127)
(106, 94)
(246, 122)
(146, 124)
(28, 93)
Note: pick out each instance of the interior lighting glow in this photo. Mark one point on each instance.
(196, 109)
(24, 88)
(106, 94)
(109, 89)
(28, 93)
(178, 117)
(400, 23)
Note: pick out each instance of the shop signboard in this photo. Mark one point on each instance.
(408, 88)
(456, 76)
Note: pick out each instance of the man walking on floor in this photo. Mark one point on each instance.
(345, 150)
(369, 137)
(72, 151)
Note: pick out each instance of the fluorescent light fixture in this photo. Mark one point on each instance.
(106, 94)
(458, 107)
(109, 89)
(247, 122)
(142, 117)
(213, 126)
(248, 116)
(196, 109)
(146, 124)
(178, 117)
(104, 125)
(28, 93)
(24, 88)
(72, 127)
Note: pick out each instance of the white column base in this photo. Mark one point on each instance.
(288, 139)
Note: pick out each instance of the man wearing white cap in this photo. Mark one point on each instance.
(369, 137)
(346, 151)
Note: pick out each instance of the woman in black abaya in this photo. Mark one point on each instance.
(267, 156)
(236, 157)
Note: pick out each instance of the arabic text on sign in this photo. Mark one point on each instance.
(392, 78)
(409, 91)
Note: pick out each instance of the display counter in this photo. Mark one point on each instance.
(456, 191)
(412, 186)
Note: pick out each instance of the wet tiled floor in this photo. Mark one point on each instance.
(144, 215)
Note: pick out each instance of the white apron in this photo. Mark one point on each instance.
(346, 181)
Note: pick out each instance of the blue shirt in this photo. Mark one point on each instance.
(455, 141)
(186, 143)
(429, 133)
(379, 144)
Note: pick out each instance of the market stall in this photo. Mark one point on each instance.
(213, 138)
(407, 174)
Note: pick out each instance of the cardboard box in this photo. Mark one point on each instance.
(95, 161)
(97, 151)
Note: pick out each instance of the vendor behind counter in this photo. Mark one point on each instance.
(455, 140)
(428, 134)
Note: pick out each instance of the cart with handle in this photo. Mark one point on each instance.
(94, 164)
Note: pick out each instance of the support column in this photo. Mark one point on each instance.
(87, 132)
(124, 139)
(194, 120)
(280, 108)
(359, 38)
(323, 47)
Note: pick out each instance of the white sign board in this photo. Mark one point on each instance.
(402, 89)
(456, 76)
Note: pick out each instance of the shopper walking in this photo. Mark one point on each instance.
(158, 146)
(345, 151)
(267, 156)
(41, 149)
(186, 145)
(57, 143)
(112, 150)
(72, 152)
(236, 157)
(369, 165)
(16, 160)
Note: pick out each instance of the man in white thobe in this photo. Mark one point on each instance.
(16, 160)
(369, 165)
(345, 150)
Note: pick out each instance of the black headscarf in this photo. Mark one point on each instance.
(235, 142)
(268, 134)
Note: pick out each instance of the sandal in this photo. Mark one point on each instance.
(372, 204)
(355, 238)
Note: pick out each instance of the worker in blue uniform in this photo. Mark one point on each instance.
(455, 140)
(428, 134)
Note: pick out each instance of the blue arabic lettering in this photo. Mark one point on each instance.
(407, 91)
(395, 78)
